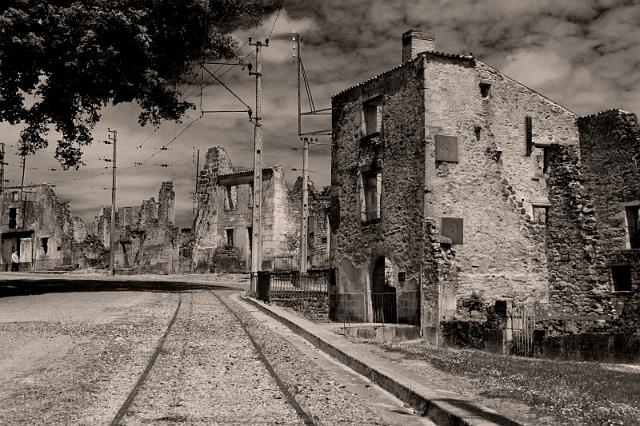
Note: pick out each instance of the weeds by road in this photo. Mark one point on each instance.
(570, 392)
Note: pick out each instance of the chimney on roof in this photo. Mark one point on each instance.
(415, 42)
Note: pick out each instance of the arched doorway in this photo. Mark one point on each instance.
(383, 295)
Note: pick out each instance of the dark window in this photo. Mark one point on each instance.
(13, 213)
(447, 148)
(372, 117)
(528, 134)
(485, 89)
(452, 227)
(229, 238)
(250, 235)
(545, 160)
(44, 242)
(633, 225)
(372, 185)
(621, 277)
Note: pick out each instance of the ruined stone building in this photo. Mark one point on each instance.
(223, 226)
(38, 225)
(451, 181)
(147, 238)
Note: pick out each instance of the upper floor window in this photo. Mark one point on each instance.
(370, 196)
(229, 243)
(231, 198)
(621, 277)
(633, 226)
(372, 112)
(485, 89)
(13, 215)
(528, 135)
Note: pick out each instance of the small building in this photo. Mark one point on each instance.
(38, 225)
(451, 183)
(224, 222)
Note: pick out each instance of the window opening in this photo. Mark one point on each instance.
(372, 117)
(621, 277)
(44, 243)
(372, 185)
(528, 130)
(229, 238)
(13, 214)
(485, 89)
(633, 226)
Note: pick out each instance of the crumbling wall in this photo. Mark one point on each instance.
(398, 152)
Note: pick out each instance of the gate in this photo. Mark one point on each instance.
(523, 321)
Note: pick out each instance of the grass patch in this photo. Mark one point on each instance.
(572, 392)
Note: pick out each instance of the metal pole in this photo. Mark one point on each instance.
(112, 237)
(296, 38)
(304, 232)
(1, 167)
(256, 241)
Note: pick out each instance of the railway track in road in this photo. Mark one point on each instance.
(158, 352)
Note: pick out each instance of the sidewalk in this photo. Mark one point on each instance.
(441, 405)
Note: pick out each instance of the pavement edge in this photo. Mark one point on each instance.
(442, 411)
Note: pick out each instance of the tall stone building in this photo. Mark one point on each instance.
(223, 226)
(446, 183)
(38, 225)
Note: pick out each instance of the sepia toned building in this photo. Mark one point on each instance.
(36, 224)
(453, 182)
(223, 226)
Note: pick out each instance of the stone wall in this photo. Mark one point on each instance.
(398, 152)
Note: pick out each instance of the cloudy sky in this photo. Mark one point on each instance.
(583, 54)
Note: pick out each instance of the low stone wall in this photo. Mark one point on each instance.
(313, 306)
(602, 347)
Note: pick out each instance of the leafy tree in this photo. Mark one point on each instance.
(61, 61)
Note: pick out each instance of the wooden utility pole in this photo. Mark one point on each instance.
(256, 240)
(1, 167)
(196, 200)
(304, 220)
(113, 137)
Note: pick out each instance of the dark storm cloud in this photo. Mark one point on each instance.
(584, 54)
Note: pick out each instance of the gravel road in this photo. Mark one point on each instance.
(74, 358)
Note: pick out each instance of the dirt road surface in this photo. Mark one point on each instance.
(76, 354)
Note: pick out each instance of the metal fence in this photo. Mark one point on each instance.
(402, 307)
(295, 282)
(523, 321)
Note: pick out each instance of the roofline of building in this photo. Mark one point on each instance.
(31, 185)
(464, 58)
(246, 173)
(529, 88)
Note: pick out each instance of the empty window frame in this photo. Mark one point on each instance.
(44, 243)
(485, 89)
(621, 277)
(229, 242)
(528, 135)
(13, 215)
(540, 213)
(231, 198)
(370, 196)
(633, 226)
(453, 228)
(372, 114)
(446, 149)
(15, 195)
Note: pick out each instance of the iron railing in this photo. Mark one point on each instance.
(401, 307)
(316, 281)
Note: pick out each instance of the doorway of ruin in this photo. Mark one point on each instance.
(383, 294)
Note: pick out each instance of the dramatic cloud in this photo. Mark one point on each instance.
(584, 54)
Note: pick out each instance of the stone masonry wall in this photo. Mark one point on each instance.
(399, 153)
(494, 182)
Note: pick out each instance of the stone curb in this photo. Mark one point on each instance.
(442, 406)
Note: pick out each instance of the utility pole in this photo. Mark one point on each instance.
(196, 200)
(256, 240)
(304, 220)
(1, 167)
(304, 216)
(24, 167)
(113, 139)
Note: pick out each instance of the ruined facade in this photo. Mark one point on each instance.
(38, 225)
(223, 226)
(147, 238)
(443, 174)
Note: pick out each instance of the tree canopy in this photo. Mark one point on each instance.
(61, 61)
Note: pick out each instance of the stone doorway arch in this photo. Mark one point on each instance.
(383, 295)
